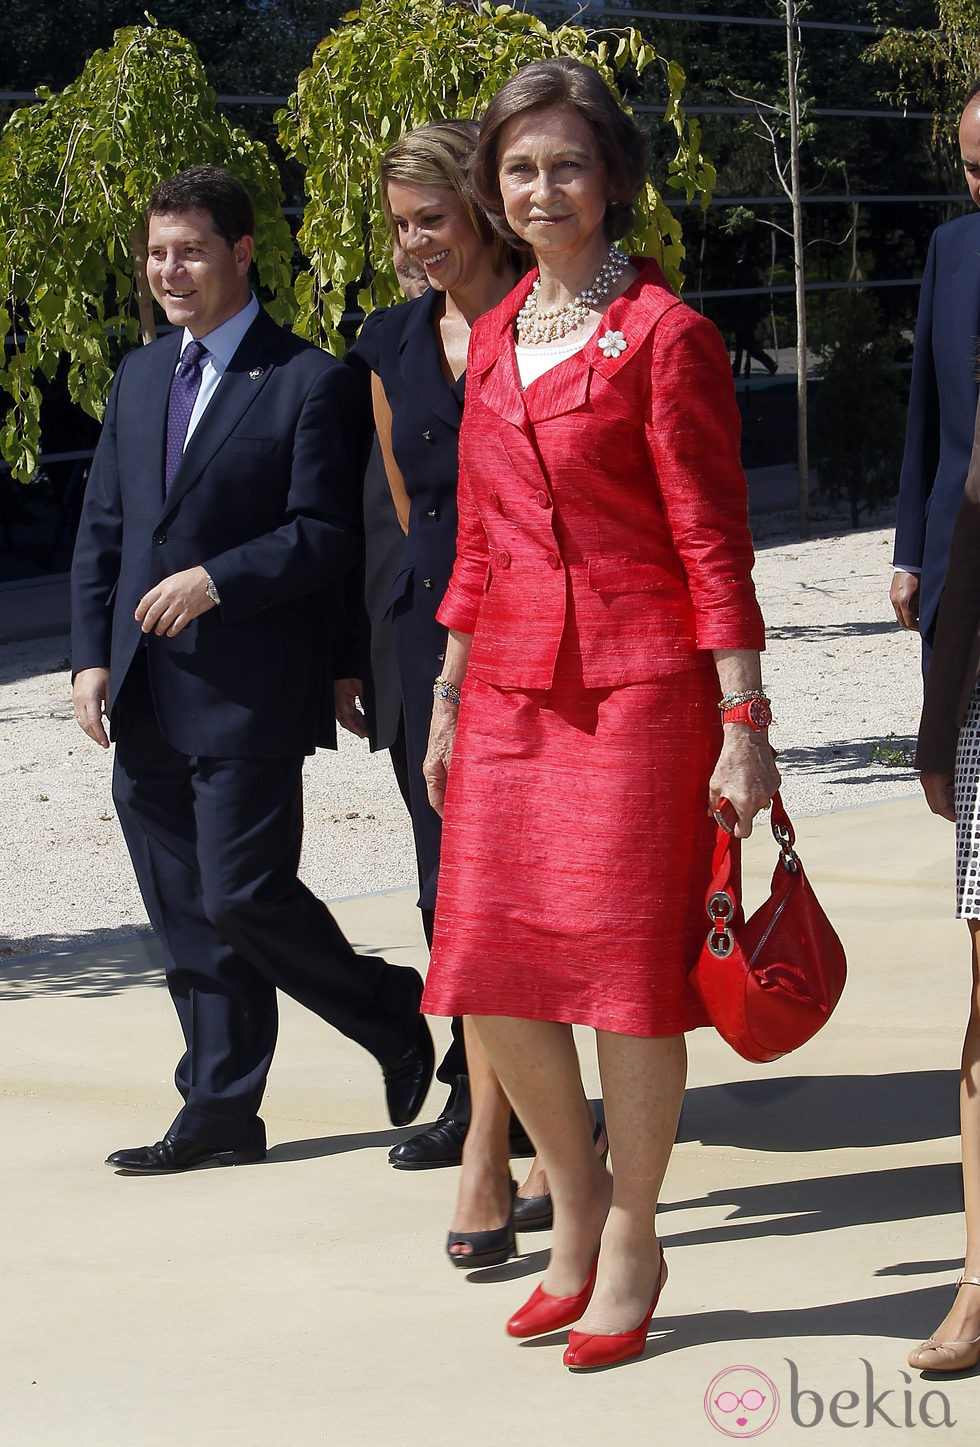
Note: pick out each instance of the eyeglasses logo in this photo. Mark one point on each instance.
(741, 1402)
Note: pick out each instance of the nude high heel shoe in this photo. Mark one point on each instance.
(947, 1356)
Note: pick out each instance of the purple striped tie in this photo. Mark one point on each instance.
(183, 394)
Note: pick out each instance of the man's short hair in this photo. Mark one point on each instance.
(210, 189)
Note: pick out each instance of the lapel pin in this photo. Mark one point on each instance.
(612, 344)
(256, 373)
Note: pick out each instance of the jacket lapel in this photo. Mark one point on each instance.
(492, 363)
(153, 414)
(250, 369)
(421, 366)
(630, 319)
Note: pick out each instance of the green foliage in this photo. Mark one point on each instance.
(395, 64)
(75, 173)
(893, 752)
(859, 421)
(933, 63)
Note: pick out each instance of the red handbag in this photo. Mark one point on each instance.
(770, 982)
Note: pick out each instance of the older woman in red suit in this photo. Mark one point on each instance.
(600, 607)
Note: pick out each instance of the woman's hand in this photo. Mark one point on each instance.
(442, 731)
(938, 789)
(442, 736)
(745, 774)
(347, 693)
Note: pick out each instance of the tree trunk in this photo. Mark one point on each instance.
(148, 326)
(802, 453)
(772, 297)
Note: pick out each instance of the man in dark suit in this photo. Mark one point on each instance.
(942, 404)
(221, 507)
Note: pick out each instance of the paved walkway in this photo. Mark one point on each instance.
(811, 1216)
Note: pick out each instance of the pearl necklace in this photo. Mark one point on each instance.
(535, 326)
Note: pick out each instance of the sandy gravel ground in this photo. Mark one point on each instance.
(842, 676)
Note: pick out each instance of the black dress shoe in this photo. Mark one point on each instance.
(440, 1145)
(174, 1154)
(408, 1078)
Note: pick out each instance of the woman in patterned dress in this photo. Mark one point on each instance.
(948, 756)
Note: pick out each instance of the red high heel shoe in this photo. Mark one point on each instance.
(542, 1313)
(585, 1350)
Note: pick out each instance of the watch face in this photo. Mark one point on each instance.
(760, 714)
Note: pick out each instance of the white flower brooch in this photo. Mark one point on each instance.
(612, 344)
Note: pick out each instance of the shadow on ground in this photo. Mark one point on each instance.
(96, 963)
(854, 754)
(823, 1112)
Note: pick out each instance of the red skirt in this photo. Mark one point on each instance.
(576, 852)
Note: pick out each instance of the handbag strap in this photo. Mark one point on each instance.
(724, 897)
(784, 834)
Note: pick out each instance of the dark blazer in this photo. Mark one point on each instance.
(266, 498)
(942, 404)
(368, 644)
(952, 672)
(402, 349)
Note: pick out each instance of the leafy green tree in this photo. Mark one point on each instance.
(75, 172)
(394, 64)
(932, 48)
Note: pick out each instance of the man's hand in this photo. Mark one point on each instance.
(171, 605)
(346, 694)
(904, 595)
(89, 696)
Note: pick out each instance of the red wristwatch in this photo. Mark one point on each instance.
(755, 712)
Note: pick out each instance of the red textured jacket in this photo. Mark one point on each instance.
(604, 509)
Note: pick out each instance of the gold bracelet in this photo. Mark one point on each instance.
(732, 700)
(443, 689)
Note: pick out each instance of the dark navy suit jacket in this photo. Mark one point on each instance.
(267, 499)
(942, 407)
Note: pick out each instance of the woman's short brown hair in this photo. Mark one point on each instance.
(623, 146)
(440, 155)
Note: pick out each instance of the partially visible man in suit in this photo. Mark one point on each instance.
(942, 403)
(221, 507)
